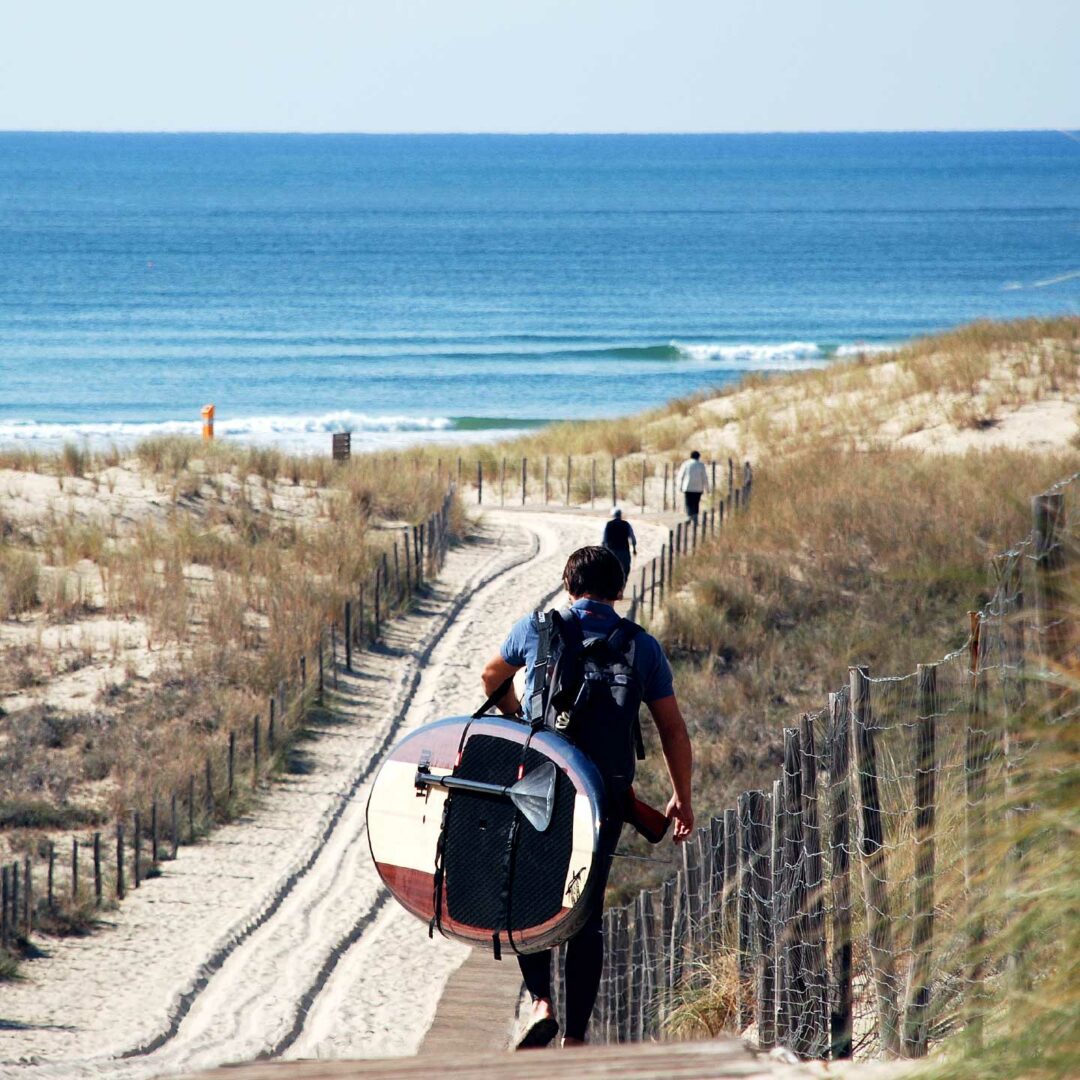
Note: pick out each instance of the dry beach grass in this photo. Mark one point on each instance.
(151, 603)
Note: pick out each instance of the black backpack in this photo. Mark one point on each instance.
(588, 690)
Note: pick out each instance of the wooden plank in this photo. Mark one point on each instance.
(477, 1008)
(705, 1060)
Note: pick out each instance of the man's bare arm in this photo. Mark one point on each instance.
(495, 674)
(679, 757)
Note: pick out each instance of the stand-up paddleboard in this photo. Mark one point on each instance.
(488, 834)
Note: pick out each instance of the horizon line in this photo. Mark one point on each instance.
(542, 133)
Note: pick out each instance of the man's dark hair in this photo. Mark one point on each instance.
(594, 571)
(695, 454)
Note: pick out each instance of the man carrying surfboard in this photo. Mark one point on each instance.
(587, 672)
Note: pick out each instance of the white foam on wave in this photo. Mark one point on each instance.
(863, 348)
(783, 356)
(253, 427)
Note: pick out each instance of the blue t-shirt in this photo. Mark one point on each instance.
(597, 620)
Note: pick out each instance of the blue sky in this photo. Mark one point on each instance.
(538, 65)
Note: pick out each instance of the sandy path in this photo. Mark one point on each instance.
(276, 937)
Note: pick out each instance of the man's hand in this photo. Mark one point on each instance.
(682, 814)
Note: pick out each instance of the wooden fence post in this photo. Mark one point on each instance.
(840, 1021)
(665, 502)
(760, 828)
(136, 841)
(51, 895)
(816, 971)
(154, 860)
(5, 889)
(231, 763)
(569, 470)
(622, 981)
(779, 912)
(1049, 523)
(547, 474)
(730, 899)
(916, 1017)
(376, 606)
(663, 949)
(524, 479)
(75, 869)
(614, 488)
(97, 869)
(691, 880)
(678, 931)
(14, 898)
(347, 625)
(872, 860)
(174, 825)
(119, 860)
(797, 997)
(977, 750)
(479, 482)
(716, 885)
(28, 898)
(502, 483)
(643, 485)
(745, 901)
(209, 802)
(730, 479)
(322, 645)
(191, 801)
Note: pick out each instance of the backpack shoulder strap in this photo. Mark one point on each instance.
(542, 620)
(620, 639)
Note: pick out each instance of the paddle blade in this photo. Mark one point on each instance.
(534, 795)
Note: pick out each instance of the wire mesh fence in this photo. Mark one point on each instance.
(842, 913)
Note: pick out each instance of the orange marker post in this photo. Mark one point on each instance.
(208, 421)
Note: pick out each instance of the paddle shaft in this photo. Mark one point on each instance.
(460, 783)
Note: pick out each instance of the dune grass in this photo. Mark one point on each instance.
(147, 622)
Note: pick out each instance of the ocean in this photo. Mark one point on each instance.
(458, 287)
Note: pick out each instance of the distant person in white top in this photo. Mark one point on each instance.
(693, 482)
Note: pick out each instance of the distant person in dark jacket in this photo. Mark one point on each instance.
(619, 538)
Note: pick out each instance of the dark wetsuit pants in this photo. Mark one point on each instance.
(623, 555)
(584, 952)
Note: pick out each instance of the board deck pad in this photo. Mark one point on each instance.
(547, 893)
(477, 831)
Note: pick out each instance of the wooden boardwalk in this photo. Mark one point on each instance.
(477, 1009)
(713, 1060)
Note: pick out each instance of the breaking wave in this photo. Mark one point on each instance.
(253, 427)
